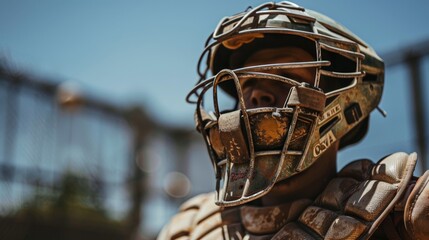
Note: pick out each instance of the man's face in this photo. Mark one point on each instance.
(270, 93)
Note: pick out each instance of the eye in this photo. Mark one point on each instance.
(299, 75)
(248, 82)
(291, 75)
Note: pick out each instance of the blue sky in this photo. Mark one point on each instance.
(145, 52)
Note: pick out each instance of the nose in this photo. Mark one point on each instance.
(260, 98)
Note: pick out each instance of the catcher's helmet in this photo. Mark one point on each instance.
(253, 148)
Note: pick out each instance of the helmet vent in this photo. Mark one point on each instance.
(353, 113)
(327, 126)
(330, 99)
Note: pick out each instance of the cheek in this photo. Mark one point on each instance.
(309, 77)
(247, 93)
(281, 98)
(305, 75)
(280, 92)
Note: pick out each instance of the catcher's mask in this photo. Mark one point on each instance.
(252, 148)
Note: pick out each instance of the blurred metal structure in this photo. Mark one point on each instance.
(68, 162)
(51, 131)
(412, 57)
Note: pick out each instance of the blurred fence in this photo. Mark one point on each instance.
(74, 167)
(412, 57)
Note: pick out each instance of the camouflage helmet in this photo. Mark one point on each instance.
(253, 148)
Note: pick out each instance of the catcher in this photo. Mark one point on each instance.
(302, 88)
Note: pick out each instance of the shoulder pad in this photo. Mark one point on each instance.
(182, 224)
(201, 218)
(416, 212)
(355, 203)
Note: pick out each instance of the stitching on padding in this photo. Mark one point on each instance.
(424, 184)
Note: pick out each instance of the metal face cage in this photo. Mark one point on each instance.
(252, 149)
